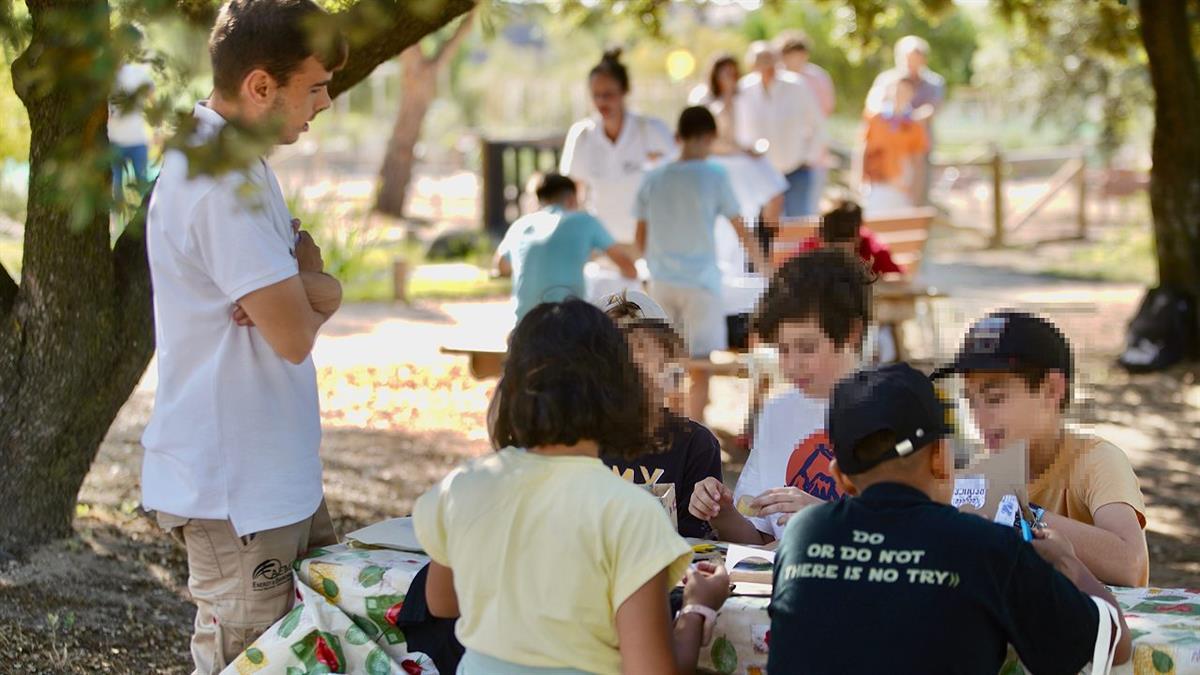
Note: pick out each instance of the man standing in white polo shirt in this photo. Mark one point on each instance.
(231, 463)
(776, 113)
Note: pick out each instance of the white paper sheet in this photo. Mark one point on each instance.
(737, 554)
(396, 534)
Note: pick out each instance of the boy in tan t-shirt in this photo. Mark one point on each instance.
(1018, 369)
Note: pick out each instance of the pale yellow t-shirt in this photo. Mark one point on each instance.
(1087, 473)
(544, 550)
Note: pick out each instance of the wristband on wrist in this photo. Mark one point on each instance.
(707, 614)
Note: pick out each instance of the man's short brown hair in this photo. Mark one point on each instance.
(275, 36)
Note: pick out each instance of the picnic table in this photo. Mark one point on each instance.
(348, 599)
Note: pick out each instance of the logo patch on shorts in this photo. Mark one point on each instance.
(270, 574)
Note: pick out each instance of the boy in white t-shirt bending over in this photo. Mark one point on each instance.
(231, 464)
(677, 209)
(815, 312)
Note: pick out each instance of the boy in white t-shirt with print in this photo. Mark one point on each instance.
(816, 313)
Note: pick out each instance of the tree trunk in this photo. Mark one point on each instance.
(1175, 177)
(419, 89)
(78, 333)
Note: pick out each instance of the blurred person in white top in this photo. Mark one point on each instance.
(794, 52)
(127, 132)
(777, 114)
(609, 152)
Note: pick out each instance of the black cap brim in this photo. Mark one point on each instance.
(966, 364)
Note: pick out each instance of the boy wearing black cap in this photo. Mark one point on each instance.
(1017, 370)
(927, 589)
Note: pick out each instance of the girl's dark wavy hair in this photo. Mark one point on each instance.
(569, 377)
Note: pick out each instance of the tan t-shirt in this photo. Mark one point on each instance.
(1088, 473)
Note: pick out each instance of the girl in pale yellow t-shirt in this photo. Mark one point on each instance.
(551, 563)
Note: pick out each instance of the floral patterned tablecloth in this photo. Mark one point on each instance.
(348, 601)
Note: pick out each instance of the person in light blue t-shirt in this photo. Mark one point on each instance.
(544, 252)
(676, 209)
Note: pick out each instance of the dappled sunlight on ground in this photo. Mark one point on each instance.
(404, 396)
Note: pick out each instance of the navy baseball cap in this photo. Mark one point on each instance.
(896, 398)
(1009, 339)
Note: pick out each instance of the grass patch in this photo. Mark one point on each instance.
(1123, 254)
(372, 280)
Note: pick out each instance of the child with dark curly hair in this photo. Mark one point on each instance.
(550, 562)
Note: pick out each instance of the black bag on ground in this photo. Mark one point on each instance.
(1162, 333)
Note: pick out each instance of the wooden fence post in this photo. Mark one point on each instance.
(997, 198)
(1082, 215)
(400, 280)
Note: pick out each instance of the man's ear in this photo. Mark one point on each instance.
(941, 464)
(844, 484)
(259, 88)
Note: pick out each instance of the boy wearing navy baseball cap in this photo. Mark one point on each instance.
(1017, 370)
(927, 588)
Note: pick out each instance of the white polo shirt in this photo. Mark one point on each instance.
(235, 428)
(613, 171)
(787, 115)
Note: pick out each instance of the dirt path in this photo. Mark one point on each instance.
(398, 415)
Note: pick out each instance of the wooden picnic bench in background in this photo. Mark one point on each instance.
(487, 360)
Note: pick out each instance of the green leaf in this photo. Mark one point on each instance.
(315, 553)
(370, 575)
(254, 655)
(378, 663)
(724, 656)
(356, 635)
(1163, 663)
(329, 588)
(296, 670)
(367, 626)
(291, 621)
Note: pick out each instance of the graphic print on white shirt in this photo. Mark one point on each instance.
(791, 448)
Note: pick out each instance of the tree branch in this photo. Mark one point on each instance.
(381, 29)
(447, 49)
(8, 290)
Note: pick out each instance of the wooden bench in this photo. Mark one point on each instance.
(488, 361)
(895, 296)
